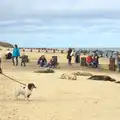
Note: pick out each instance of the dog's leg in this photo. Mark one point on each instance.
(27, 96)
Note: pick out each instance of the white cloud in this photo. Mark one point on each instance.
(8, 22)
(32, 6)
(31, 21)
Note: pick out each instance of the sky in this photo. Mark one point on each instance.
(60, 23)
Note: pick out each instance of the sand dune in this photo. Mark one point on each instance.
(5, 44)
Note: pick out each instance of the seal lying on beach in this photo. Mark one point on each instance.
(82, 74)
(117, 82)
(102, 77)
(69, 77)
(45, 70)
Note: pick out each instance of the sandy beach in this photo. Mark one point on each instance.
(58, 99)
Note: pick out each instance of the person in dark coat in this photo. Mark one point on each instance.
(8, 55)
(69, 56)
(42, 61)
(77, 56)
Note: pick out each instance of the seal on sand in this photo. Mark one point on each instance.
(82, 74)
(102, 77)
(69, 77)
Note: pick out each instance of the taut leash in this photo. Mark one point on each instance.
(12, 79)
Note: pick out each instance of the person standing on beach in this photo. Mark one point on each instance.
(96, 60)
(15, 55)
(69, 56)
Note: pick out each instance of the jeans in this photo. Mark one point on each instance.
(95, 64)
(14, 60)
(42, 64)
(50, 66)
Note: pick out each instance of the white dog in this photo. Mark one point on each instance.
(25, 90)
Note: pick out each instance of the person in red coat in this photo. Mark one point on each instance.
(89, 60)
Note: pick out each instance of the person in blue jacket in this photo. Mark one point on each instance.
(15, 55)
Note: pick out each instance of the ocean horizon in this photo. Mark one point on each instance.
(80, 48)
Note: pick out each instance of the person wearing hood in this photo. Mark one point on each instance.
(15, 55)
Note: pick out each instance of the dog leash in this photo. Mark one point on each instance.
(12, 78)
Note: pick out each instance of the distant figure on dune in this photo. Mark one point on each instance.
(69, 56)
(15, 55)
(42, 61)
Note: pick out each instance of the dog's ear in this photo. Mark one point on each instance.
(31, 85)
(34, 86)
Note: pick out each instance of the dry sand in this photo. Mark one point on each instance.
(57, 99)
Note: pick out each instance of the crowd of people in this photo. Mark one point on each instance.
(91, 60)
(15, 55)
